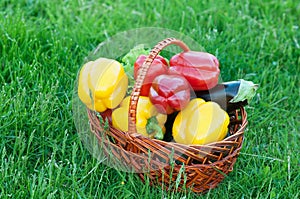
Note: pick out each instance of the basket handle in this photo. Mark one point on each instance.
(135, 94)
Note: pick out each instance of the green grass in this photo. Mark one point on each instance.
(43, 44)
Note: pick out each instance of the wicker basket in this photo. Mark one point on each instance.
(169, 164)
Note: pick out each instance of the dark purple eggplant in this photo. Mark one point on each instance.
(168, 137)
(230, 95)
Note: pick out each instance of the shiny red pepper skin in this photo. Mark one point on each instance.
(158, 67)
(169, 93)
(200, 69)
(106, 115)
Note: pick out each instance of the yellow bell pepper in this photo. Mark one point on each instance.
(200, 122)
(149, 122)
(102, 84)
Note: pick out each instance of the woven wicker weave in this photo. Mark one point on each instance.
(197, 167)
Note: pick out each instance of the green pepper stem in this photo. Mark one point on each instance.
(152, 127)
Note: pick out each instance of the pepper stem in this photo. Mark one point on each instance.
(152, 127)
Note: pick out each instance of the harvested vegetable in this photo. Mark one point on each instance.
(128, 63)
(200, 69)
(149, 122)
(169, 93)
(200, 123)
(230, 95)
(158, 67)
(106, 116)
(102, 84)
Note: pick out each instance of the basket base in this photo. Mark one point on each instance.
(197, 178)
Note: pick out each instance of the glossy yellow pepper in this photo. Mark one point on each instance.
(102, 84)
(149, 122)
(200, 123)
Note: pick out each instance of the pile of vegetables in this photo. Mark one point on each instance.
(180, 99)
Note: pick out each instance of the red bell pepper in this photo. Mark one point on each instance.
(106, 115)
(158, 67)
(200, 69)
(169, 93)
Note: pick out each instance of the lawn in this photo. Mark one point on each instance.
(44, 43)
